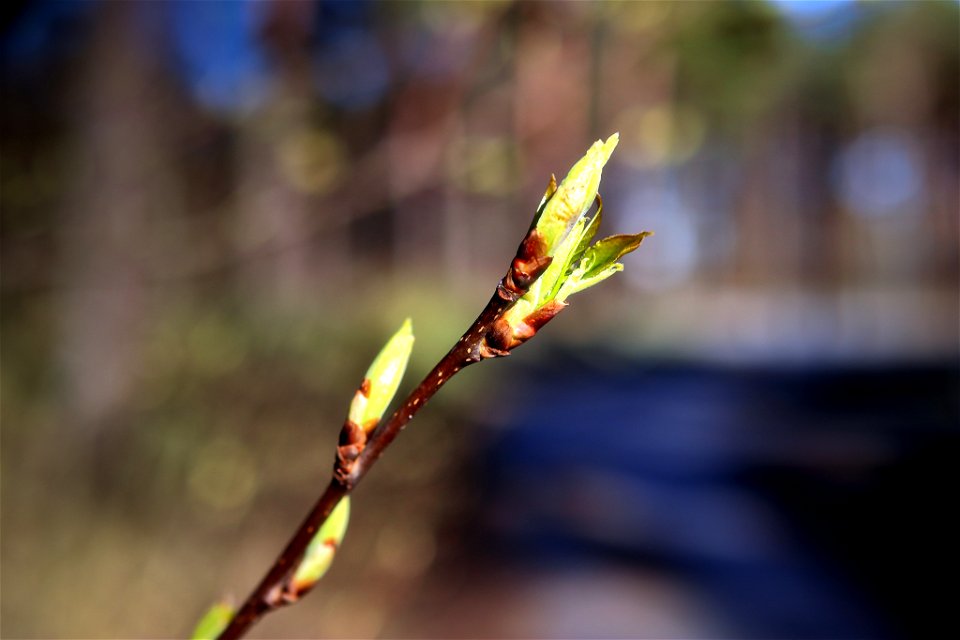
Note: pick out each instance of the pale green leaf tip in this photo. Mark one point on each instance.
(213, 622)
(388, 367)
(609, 145)
(405, 332)
(599, 154)
(594, 160)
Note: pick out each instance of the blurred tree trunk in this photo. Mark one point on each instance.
(552, 117)
(422, 117)
(119, 180)
(284, 259)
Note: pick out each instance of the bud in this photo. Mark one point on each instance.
(213, 622)
(382, 379)
(565, 232)
(319, 554)
(560, 212)
(372, 398)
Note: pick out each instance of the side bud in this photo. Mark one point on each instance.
(382, 379)
(373, 397)
(317, 558)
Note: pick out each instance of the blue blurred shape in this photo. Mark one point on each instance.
(217, 47)
(879, 174)
(41, 27)
(803, 502)
(351, 69)
(821, 20)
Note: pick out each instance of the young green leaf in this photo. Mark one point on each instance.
(575, 195)
(588, 234)
(213, 622)
(599, 262)
(573, 249)
(609, 250)
(382, 379)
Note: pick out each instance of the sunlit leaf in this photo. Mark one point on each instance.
(587, 237)
(553, 277)
(575, 195)
(576, 284)
(584, 234)
(599, 262)
(609, 250)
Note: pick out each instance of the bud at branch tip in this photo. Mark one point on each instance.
(558, 247)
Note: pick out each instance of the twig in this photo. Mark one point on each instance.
(554, 261)
(472, 347)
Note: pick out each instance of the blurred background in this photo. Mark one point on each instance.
(214, 213)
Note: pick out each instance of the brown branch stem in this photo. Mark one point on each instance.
(470, 348)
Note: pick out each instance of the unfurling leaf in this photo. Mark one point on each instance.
(599, 262)
(213, 622)
(382, 379)
(563, 209)
(546, 249)
(562, 226)
(319, 554)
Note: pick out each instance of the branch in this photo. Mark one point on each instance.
(347, 476)
(554, 261)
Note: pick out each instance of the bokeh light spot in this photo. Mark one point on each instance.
(485, 166)
(214, 347)
(634, 17)
(661, 135)
(311, 160)
(405, 551)
(224, 476)
(879, 174)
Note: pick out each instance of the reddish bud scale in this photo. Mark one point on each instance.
(292, 590)
(353, 440)
(531, 261)
(544, 314)
(504, 337)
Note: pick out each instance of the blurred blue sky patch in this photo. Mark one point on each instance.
(216, 46)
